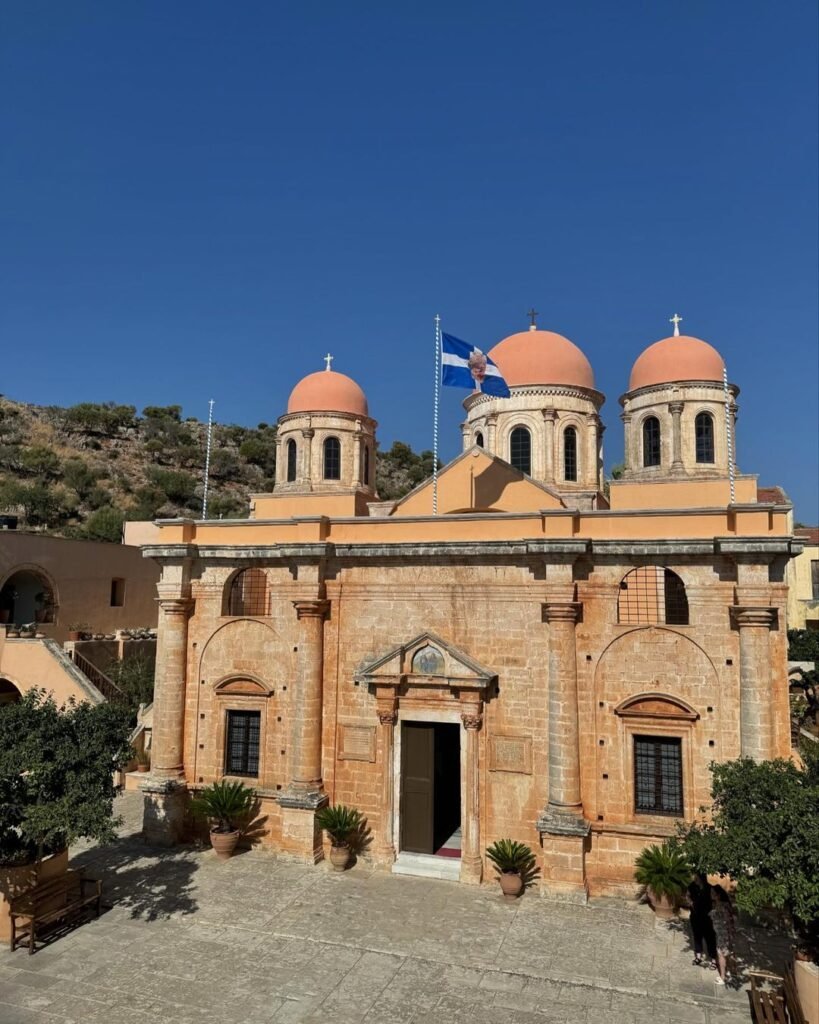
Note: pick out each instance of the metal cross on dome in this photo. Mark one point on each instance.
(328, 359)
(676, 320)
(532, 314)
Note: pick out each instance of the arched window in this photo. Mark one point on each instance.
(292, 455)
(366, 465)
(520, 449)
(332, 458)
(570, 454)
(248, 593)
(704, 434)
(27, 596)
(652, 594)
(651, 441)
(479, 439)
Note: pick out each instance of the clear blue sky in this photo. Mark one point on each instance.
(199, 199)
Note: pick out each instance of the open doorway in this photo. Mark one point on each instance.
(431, 788)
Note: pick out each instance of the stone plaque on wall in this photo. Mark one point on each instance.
(510, 754)
(356, 743)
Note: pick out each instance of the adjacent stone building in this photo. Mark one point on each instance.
(541, 659)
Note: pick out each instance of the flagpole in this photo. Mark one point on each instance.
(435, 416)
(207, 461)
(729, 433)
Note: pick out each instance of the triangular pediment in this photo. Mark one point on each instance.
(476, 481)
(426, 659)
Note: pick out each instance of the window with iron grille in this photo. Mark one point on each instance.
(366, 465)
(658, 775)
(704, 435)
(651, 442)
(292, 454)
(248, 593)
(652, 593)
(242, 747)
(570, 454)
(520, 449)
(332, 459)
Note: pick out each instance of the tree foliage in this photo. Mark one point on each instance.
(764, 834)
(803, 645)
(105, 524)
(56, 774)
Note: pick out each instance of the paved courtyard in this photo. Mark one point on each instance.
(261, 939)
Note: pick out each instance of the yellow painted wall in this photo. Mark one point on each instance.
(803, 609)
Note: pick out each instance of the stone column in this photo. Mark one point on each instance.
(466, 434)
(387, 708)
(167, 756)
(281, 469)
(306, 709)
(755, 683)
(306, 460)
(628, 457)
(491, 438)
(676, 408)
(471, 862)
(357, 455)
(564, 737)
(589, 474)
(549, 417)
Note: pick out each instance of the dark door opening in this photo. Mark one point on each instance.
(431, 788)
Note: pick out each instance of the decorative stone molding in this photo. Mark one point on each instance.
(561, 611)
(472, 720)
(749, 617)
(307, 801)
(555, 823)
(311, 609)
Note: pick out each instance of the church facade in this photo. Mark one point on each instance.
(544, 658)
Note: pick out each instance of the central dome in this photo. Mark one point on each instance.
(542, 357)
(676, 359)
(328, 391)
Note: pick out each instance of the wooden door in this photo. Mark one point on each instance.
(417, 786)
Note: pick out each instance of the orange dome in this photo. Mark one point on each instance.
(542, 357)
(328, 391)
(675, 359)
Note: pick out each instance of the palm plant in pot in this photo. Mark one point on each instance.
(513, 861)
(665, 873)
(226, 805)
(341, 824)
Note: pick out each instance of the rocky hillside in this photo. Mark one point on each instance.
(81, 471)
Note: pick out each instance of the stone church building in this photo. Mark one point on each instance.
(544, 658)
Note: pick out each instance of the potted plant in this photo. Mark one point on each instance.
(340, 823)
(224, 804)
(78, 630)
(513, 861)
(665, 873)
(143, 760)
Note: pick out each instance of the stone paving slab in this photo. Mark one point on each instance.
(263, 940)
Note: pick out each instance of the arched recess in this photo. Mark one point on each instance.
(28, 594)
(652, 595)
(9, 693)
(243, 684)
(263, 653)
(247, 593)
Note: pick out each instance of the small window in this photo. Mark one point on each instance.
(248, 593)
(570, 454)
(117, 592)
(814, 578)
(242, 747)
(704, 434)
(366, 465)
(332, 459)
(658, 776)
(479, 439)
(520, 450)
(292, 455)
(651, 442)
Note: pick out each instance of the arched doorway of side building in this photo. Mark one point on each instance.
(27, 596)
(9, 694)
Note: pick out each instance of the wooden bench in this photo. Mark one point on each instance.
(779, 1002)
(59, 899)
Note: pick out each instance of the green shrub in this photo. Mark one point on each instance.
(105, 524)
(162, 412)
(177, 485)
(340, 823)
(803, 645)
(511, 857)
(664, 869)
(39, 461)
(228, 804)
(78, 475)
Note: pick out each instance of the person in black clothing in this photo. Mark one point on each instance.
(699, 898)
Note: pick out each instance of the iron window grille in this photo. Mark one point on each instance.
(658, 776)
(332, 458)
(242, 747)
(650, 594)
(570, 454)
(520, 450)
(292, 454)
(248, 593)
(704, 436)
(651, 442)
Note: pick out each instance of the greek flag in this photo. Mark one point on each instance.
(465, 366)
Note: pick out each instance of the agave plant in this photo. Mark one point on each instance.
(511, 857)
(224, 803)
(340, 823)
(664, 870)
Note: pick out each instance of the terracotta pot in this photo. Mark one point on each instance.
(224, 843)
(511, 884)
(340, 857)
(663, 906)
(143, 767)
(75, 634)
(13, 881)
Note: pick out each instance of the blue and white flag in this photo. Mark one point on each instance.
(465, 366)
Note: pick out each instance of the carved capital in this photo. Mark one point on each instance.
(753, 617)
(176, 606)
(308, 432)
(387, 710)
(472, 721)
(562, 611)
(311, 609)
(388, 717)
(675, 408)
(549, 414)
